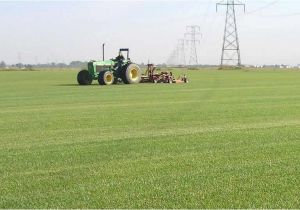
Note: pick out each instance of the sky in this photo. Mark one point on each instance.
(62, 31)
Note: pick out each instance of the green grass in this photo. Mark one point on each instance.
(228, 139)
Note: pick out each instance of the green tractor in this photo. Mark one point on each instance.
(108, 72)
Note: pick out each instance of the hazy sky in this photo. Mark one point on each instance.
(61, 31)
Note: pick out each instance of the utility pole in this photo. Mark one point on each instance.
(231, 48)
(192, 38)
(181, 52)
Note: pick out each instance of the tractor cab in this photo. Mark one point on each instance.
(120, 56)
(120, 60)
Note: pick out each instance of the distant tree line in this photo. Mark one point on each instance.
(83, 64)
(72, 64)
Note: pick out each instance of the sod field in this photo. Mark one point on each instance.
(227, 139)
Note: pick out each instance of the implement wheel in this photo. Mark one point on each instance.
(84, 78)
(131, 74)
(106, 78)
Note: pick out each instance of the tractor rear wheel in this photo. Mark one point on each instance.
(106, 78)
(84, 78)
(131, 74)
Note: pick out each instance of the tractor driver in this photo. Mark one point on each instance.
(120, 57)
(119, 60)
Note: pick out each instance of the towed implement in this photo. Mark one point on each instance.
(154, 76)
(108, 72)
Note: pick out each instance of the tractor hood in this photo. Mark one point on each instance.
(102, 63)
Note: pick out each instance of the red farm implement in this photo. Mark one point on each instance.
(153, 76)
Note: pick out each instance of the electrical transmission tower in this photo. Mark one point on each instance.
(193, 39)
(173, 59)
(231, 49)
(181, 52)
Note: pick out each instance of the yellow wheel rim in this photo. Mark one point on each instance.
(108, 78)
(134, 74)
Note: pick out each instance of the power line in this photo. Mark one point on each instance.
(263, 7)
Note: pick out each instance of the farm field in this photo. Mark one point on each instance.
(227, 139)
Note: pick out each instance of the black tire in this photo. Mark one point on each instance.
(131, 74)
(106, 78)
(84, 78)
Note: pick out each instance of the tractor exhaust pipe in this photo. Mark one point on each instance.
(103, 51)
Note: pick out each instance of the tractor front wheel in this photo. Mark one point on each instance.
(131, 74)
(106, 78)
(84, 78)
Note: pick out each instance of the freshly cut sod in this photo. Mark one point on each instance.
(227, 139)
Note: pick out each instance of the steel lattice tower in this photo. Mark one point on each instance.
(231, 55)
(173, 59)
(181, 52)
(193, 34)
